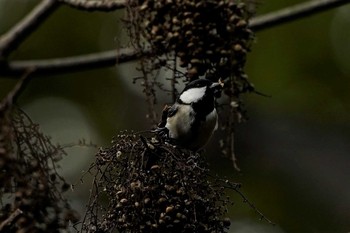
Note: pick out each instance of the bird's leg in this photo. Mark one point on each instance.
(163, 134)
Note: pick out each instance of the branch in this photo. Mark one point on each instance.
(68, 64)
(95, 5)
(18, 33)
(235, 187)
(11, 97)
(110, 58)
(294, 12)
(10, 219)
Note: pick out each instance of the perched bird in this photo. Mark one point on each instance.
(192, 119)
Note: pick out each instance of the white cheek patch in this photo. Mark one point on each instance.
(192, 95)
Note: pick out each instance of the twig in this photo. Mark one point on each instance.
(245, 200)
(95, 5)
(18, 33)
(294, 12)
(10, 219)
(108, 58)
(76, 63)
(10, 98)
(236, 187)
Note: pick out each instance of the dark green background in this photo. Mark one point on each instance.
(294, 150)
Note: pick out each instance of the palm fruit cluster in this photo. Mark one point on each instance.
(154, 187)
(208, 37)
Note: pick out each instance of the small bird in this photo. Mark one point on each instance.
(192, 119)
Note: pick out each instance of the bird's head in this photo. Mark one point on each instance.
(200, 88)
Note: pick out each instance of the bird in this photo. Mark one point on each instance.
(192, 119)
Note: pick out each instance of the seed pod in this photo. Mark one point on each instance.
(229, 28)
(162, 200)
(193, 72)
(175, 20)
(169, 209)
(237, 47)
(123, 201)
(188, 33)
(241, 23)
(155, 167)
(233, 18)
(188, 21)
(190, 45)
(159, 38)
(155, 30)
(135, 185)
(187, 14)
(195, 61)
(176, 221)
(143, 7)
(147, 201)
(188, 202)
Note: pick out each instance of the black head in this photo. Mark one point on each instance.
(200, 90)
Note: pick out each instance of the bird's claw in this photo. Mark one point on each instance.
(162, 133)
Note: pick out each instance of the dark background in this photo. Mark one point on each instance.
(293, 150)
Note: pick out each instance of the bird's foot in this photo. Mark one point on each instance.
(162, 132)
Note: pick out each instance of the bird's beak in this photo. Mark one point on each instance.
(217, 88)
(221, 83)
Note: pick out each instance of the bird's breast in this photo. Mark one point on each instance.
(187, 131)
(180, 124)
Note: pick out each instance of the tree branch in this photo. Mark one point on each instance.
(110, 58)
(18, 33)
(10, 219)
(95, 5)
(294, 12)
(68, 64)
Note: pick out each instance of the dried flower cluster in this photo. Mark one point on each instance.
(153, 187)
(30, 187)
(209, 37)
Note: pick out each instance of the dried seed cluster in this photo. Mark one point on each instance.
(30, 187)
(209, 37)
(154, 187)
